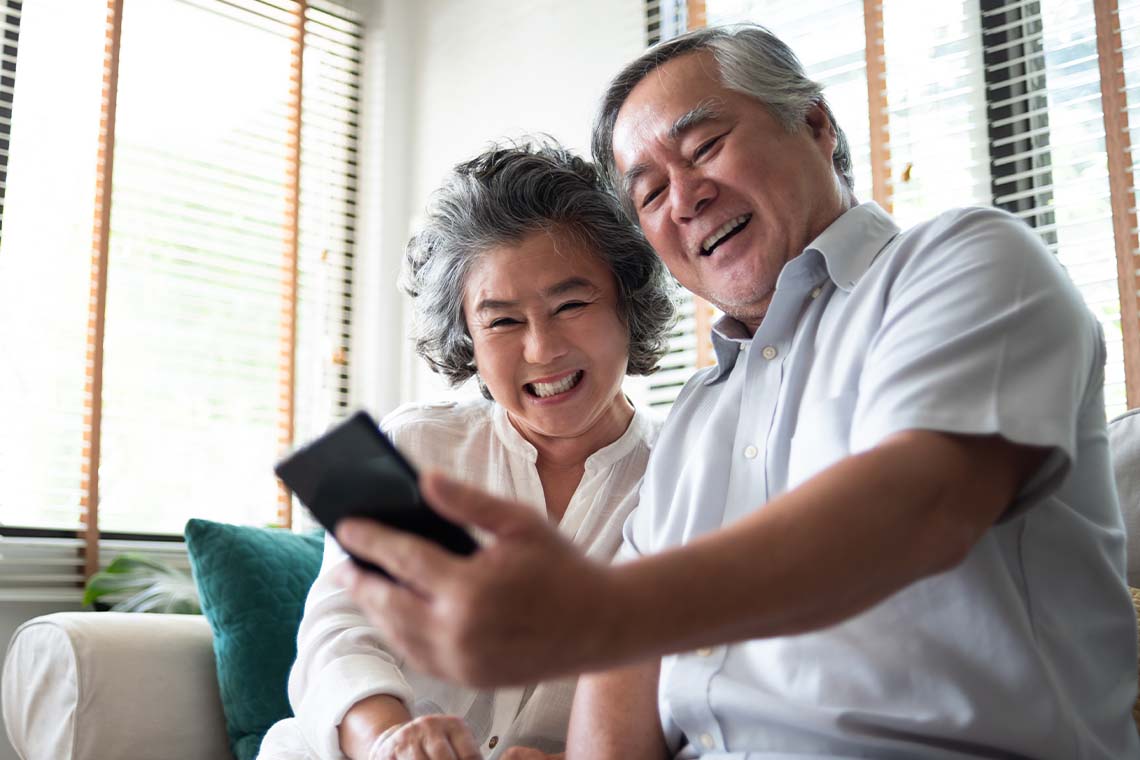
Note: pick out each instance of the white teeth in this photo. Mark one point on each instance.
(545, 390)
(725, 228)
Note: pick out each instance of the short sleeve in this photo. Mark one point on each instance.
(982, 333)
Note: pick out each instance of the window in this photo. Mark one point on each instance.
(999, 102)
(176, 255)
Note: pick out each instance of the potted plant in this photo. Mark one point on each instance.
(140, 584)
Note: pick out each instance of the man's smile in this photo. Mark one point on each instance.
(723, 233)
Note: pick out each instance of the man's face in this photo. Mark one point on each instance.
(724, 192)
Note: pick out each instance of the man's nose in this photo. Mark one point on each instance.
(690, 192)
(544, 344)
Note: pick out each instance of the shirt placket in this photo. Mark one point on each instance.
(761, 361)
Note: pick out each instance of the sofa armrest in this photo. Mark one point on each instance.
(98, 685)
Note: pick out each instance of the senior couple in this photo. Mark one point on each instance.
(881, 526)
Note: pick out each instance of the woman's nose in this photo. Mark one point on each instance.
(544, 344)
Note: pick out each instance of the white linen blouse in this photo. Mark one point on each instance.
(341, 658)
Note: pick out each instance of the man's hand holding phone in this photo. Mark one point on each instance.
(353, 470)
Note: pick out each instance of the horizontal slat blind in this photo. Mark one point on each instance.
(989, 102)
(44, 254)
(10, 18)
(1050, 165)
(190, 415)
(199, 208)
(936, 100)
(329, 170)
(52, 569)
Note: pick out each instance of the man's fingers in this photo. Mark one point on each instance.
(401, 615)
(413, 560)
(467, 505)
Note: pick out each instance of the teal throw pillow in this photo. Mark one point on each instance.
(252, 583)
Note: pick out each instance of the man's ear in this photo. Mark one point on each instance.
(818, 122)
(822, 130)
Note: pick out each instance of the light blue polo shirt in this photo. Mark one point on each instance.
(962, 324)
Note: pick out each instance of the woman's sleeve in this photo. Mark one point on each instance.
(341, 659)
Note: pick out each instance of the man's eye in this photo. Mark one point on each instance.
(705, 147)
(503, 322)
(571, 305)
(650, 196)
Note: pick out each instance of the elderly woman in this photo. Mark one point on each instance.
(528, 277)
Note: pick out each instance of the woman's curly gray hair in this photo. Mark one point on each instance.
(501, 197)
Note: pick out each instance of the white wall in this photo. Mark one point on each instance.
(461, 73)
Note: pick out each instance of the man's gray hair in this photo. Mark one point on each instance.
(500, 198)
(750, 60)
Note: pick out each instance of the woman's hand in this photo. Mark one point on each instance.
(431, 737)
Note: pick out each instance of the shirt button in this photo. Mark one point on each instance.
(741, 346)
(750, 452)
(769, 352)
(704, 652)
(707, 741)
(815, 292)
(494, 740)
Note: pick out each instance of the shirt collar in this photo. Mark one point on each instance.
(848, 246)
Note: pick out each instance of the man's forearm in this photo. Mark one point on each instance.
(858, 532)
(615, 716)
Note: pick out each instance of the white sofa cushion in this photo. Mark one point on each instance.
(103, 685)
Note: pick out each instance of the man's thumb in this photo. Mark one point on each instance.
(467, 505)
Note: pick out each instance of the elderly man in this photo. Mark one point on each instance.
(883, 525)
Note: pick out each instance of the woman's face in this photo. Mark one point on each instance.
(549, 342)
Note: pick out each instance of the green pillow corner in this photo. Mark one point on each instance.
(252, 583)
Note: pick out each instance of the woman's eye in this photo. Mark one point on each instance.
(649, 197)
(571, 305)
(503, 322)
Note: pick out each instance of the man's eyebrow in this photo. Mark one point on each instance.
(557, 289)
(704, 112)
(694, 117)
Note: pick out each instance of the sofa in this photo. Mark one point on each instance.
(105, 686)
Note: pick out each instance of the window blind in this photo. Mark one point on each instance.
(990, 102)
(228, 227)
(44, 254)
(11, 25)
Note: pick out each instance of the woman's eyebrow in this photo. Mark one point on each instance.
(568, 285)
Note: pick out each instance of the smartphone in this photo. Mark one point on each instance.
(353, 470)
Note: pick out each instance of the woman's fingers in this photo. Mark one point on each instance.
(430, 737)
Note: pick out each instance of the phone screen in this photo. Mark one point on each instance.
(353, 470)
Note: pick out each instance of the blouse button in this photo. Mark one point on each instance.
(494, 740)
(769, 352)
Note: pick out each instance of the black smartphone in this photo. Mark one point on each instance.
(353, 470)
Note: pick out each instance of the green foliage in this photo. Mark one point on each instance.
(146, 584)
